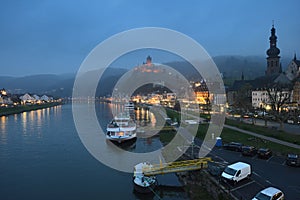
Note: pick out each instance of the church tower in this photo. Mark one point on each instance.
(273, 59)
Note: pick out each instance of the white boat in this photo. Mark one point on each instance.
(122, 128)
(143, 184)
(129, 108)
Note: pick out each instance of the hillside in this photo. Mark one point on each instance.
(231, 68)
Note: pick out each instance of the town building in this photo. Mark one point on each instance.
(293, 69)
(257, 89)
(34, 99)
(296, 92)
(260, 98)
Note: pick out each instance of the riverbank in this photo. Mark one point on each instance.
(26, 108)
(200, 184)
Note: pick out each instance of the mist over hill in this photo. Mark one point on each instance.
(58, 85)
(231, 67)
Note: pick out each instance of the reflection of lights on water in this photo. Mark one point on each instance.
(115, 108)
(3, 126)
(147, 114)
(3, 137)
(39, 119)
(24, 121)
(31, 115)
(152, 119)
(16, 117)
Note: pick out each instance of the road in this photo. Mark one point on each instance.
(271, 172)
(265, 173)
(296, 131)
(289, 128)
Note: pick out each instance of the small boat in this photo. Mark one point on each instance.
(143, 184)
(122, 128)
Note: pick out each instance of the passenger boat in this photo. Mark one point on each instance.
(122, 128)
(143, 184)
(129, 108)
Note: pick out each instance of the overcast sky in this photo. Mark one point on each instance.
(51, 36)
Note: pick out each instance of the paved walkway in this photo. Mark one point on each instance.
(264, 137)
(255, 134)
(289, 128)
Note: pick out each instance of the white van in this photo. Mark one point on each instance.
(236, 172)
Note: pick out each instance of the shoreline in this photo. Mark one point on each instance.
(26, 108)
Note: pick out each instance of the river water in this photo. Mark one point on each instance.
(42, 157)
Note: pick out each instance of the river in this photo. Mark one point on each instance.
(42, 157)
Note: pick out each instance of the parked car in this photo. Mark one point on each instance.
(236, 172)
(248, 151)
(233, 146)
(292, 160)
(269, 193)
(264, 153)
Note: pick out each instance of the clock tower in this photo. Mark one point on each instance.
(273, 59)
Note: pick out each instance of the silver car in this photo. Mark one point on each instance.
(269, 193)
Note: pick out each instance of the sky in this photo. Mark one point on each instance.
(54, 37)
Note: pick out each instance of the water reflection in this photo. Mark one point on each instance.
(24, 122)
(56, 111)
(28, 161)
(3, 121)
(34, 122)
(164, 192)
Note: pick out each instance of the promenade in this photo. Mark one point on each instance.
(256, 134)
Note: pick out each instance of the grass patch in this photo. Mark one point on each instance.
(201, 132)
(196, 114)
(166, 136)
(278, 134)
(205, 116)
(229, 135)
(174, 115)
(198, 192)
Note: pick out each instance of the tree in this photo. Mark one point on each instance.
(279, 96)
(243, 98)
(208, 103)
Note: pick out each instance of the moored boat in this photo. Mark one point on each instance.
(122, 128)
(129, 108)
(143, 184)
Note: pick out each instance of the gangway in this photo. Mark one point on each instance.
(178, 166)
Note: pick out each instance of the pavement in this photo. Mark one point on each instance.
(289, 128)
(271, 172)
(265, 173)
(259, 135)
(264, 137)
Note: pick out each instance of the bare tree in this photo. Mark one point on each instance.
(279, 96)
(243, 98)
(208, 103)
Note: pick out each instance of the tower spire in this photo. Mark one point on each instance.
(280, 68)
(273, 62)
(295, 58)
